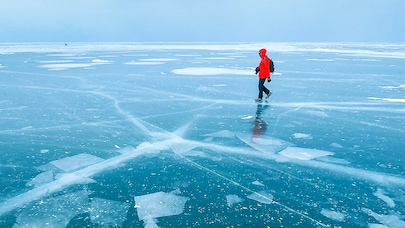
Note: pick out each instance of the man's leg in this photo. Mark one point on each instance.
(261, 87)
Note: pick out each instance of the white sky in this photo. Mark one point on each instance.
(202, 20)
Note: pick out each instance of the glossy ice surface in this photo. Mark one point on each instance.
(169, 135)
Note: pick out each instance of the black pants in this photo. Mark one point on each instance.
(262, 88)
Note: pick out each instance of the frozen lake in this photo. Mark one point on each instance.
(169, 135)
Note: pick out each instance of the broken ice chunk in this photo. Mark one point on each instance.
(158, 205)
(262, 197)
(41, 179)
(233, 199)
(258, 183)
(75, 162)
(304, 153)
(264, 143)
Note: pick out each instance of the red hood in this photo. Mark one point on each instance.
(262, 52)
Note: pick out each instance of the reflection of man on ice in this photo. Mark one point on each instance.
(260, 124)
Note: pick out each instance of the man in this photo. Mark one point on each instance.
(263, 72)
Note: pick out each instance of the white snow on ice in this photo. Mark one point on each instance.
(210, 71)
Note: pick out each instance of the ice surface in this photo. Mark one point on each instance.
(262, 197)
(53, 212)
(177, 126)
(108, 213)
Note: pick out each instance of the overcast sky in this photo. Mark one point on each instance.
(202, 20)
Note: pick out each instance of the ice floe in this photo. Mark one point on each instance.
(65, 65)
(159, 204)
(304, 153)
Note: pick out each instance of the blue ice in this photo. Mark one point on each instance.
(168, 135)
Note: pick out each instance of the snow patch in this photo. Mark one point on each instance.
(144, 63)
(210, 71)
(393, 87)
(393, 100)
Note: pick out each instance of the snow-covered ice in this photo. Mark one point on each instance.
(169, 135)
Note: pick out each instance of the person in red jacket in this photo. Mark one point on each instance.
(263, 72)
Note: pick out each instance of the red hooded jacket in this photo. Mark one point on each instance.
(264, 65)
